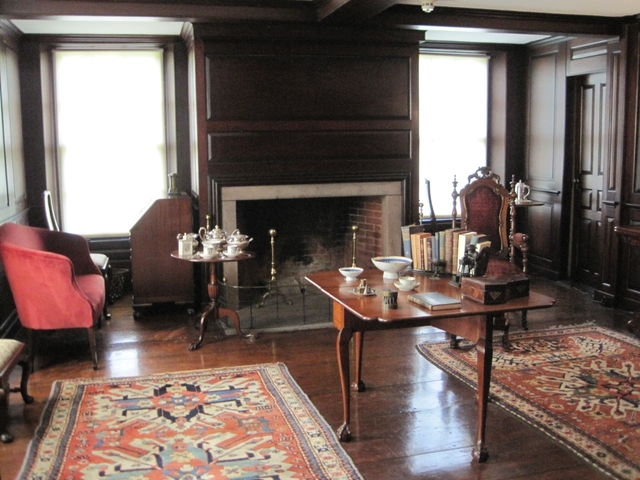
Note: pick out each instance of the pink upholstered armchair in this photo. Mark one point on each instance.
(54, 282)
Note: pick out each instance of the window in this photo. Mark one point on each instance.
(111, 137)
(453, 124)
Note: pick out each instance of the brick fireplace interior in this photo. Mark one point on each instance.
(313, 225)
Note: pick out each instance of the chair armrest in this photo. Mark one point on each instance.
(45, 290)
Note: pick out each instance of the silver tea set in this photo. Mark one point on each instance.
(214, 242)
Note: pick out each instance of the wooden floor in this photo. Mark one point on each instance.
(413, 422)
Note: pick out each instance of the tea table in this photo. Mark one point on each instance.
(353, 315)
(214, 309)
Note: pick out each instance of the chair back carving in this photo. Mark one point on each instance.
(484, 208)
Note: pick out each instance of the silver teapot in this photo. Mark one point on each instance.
(238, 239)
(215, 236)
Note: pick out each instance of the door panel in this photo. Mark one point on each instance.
(589, 156)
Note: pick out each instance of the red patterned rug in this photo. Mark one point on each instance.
(580, 385)
(251, 422)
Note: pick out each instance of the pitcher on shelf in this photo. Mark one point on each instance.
(522, 192)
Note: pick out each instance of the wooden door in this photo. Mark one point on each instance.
(588, 169)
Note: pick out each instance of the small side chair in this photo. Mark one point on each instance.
(12, 353)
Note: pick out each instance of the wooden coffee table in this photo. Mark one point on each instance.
(354, 315)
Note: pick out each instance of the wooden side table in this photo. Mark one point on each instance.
(214, 309)
(631, 235)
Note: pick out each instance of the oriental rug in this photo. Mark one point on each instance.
(251, 422)
(580, 385)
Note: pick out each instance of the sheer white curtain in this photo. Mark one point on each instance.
(110, 126)
(453, 124)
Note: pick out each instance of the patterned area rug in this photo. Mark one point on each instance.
(580, 385)
(250, 422)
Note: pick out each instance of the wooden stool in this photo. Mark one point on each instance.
(12, 353)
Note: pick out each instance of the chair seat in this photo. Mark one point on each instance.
(93, 287)
(10, 351)
(101, 261)
(500, 266)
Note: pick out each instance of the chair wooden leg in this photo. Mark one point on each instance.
(525, 326)
(24, 381)
(31, 345)
(5, 436)
(92, 344)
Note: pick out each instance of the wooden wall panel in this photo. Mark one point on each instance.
(611, 195)
(308, 146)
(307, 87)
(544, 162)
(628, 288)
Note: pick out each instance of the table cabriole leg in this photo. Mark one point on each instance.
(226, 312)
(358, 385)
(342, 348)
(484, 348)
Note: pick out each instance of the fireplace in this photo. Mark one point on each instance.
(388, 204)
(313, 230)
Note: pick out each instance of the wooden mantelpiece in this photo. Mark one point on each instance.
(305, 106)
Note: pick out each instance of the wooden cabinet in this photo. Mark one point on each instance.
(156, 276)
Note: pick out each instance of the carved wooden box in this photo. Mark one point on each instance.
(494, 290)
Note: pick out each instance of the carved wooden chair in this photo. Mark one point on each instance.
(487, 207)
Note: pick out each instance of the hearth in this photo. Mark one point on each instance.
(314, 226)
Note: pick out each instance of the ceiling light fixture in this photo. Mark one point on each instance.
(427, 7)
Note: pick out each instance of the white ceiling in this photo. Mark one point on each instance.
(603, 8)
(131, 26)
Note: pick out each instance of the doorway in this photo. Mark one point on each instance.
(588, 157)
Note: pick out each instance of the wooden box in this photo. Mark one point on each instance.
(494, 290)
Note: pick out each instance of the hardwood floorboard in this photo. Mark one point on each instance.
(413, 422)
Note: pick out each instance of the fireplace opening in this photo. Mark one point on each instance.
(314, 231)
(311, 234)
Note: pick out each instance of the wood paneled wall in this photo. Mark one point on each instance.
(545, 158)
(316, 106)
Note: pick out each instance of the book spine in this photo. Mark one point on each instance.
(406, 241)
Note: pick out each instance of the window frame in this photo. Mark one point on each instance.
(466, 51)
(51, 157)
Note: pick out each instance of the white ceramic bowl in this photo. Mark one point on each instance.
(350, 273)
(391, 265)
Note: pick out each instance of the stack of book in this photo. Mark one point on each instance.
(446, 247)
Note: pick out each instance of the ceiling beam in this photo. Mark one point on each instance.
(408, 16)
(351, 11)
